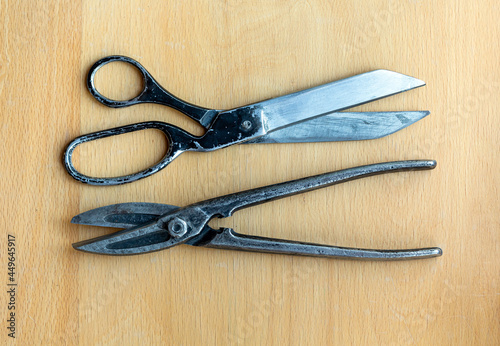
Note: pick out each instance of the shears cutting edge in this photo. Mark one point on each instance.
(312, 115)
(152, 227)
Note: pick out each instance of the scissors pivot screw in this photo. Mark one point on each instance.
(246, 125)
(177, 227)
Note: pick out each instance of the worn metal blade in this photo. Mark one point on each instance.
(145, 238)
(332, 97)
(144, 232)
(342, 126)
(123, 215)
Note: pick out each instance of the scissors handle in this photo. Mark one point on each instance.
(152, 93)
(178, 142)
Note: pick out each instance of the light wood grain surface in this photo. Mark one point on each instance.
(223, 54)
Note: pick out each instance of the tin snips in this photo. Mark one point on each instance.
(152, 227)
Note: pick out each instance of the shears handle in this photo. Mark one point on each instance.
(151, 93)
(178, 142)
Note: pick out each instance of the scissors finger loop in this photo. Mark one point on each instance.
(178, 142)
(152, 92)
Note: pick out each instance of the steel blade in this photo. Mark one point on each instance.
(123, 215)
(148, 236)
(328, 98)
(139, 239)
(135, 240)
(342, 126)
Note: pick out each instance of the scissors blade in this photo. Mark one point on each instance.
(328, 98)
(342, 126)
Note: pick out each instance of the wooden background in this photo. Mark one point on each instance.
(224, 54)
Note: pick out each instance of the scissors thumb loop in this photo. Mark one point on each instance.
(148, 82)
(179, 141)
(152, 92)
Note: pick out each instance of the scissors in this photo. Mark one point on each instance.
(311, 115)
(153, 227)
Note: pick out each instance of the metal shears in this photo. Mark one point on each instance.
(152, 227)
(311, 115)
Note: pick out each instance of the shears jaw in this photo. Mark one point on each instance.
(133, 241)
(94, 246)
(161, 232)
